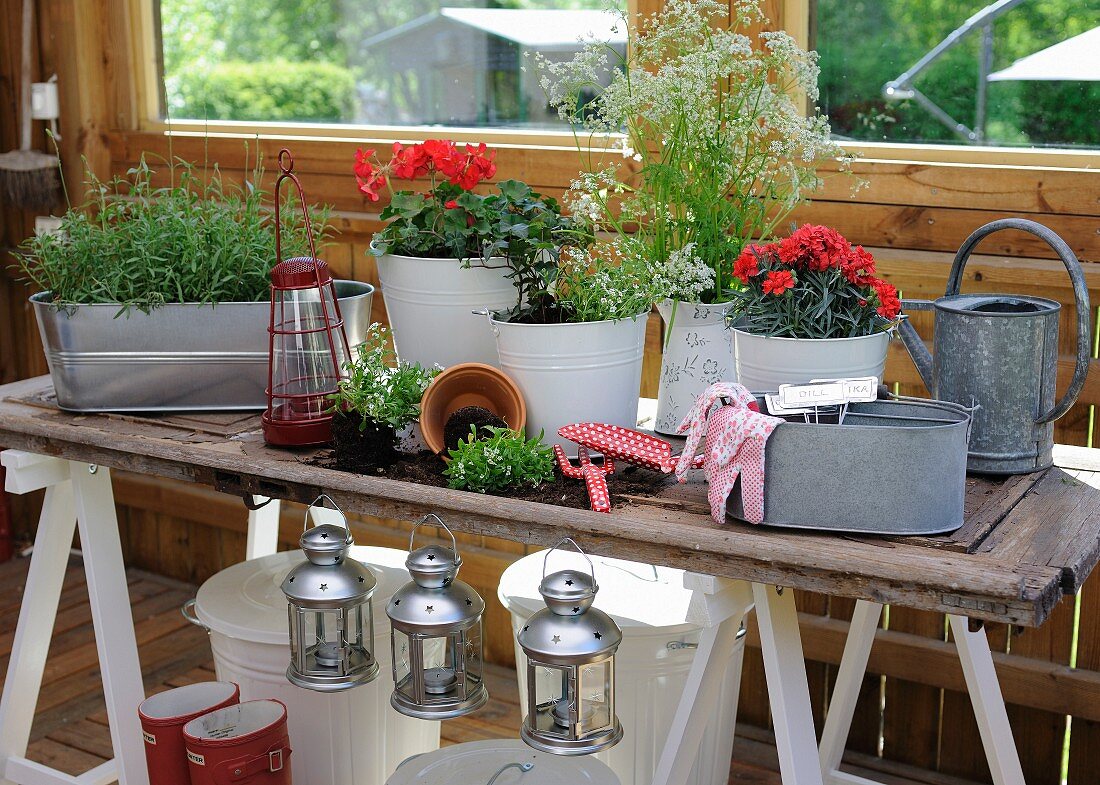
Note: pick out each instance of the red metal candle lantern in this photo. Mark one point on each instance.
(307, 346)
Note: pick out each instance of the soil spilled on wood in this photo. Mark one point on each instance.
(361, 450)
(427, 469)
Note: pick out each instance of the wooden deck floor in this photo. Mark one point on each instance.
(70, 729)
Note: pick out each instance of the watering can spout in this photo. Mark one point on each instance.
(918, 351)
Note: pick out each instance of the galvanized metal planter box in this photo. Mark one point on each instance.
(892, 467)
(178, 357)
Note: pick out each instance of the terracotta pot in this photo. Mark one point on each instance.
(469, 384)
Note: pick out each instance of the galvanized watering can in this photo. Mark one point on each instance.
(1000, 351)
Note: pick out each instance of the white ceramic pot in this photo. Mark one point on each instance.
(765, 363)
(430, 304)
(353, 736)
(567, 373)
(698, 351)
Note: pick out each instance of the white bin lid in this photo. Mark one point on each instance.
(245, 602)
(634, 594)
(477, 761)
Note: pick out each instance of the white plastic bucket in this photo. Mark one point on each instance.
(586, 372)
(650, 605)
(765, 363)
(430, 303)
(344, 737)
(475, 763)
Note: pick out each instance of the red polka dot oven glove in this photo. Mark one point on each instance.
(736, 433)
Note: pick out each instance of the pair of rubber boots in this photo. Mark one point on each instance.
(202, 734)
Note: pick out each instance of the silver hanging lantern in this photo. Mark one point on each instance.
(435, 624)
(570, 648)
(331, 619)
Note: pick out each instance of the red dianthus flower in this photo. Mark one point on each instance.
(778, 282)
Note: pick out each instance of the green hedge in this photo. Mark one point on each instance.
(268, 91)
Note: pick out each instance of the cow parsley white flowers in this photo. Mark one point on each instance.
(716, 151)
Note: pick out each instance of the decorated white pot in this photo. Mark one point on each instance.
(698, 351)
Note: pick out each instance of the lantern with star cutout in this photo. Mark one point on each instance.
(570, 648)
(435, 623)
(331, 620)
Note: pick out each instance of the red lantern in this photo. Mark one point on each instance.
(307, 346)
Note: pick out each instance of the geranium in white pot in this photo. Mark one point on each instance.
(722, 153)
(430, 264)
(810, 307)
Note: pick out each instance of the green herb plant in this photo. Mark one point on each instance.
(503, 460)
(378, 387)
(199, 240)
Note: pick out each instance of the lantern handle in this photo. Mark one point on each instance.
(454, 544)
(286, 169)
(336, 508)
(569, 541)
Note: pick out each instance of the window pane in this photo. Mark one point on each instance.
(1050, 99)
(379, 62)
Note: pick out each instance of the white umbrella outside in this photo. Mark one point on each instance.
(1075, 59)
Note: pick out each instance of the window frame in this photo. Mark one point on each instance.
(791, 15)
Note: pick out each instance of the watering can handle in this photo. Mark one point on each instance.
(1080, 294)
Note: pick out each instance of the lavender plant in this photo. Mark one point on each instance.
(715, 149)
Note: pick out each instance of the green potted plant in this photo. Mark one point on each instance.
(810, 307)
(432, 264)
(376, 402)
(155, 298)
(574, 337)
(498, 460)
(715, 153)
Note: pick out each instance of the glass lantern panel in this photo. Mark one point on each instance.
(443, 668)
(328, 648)
(402, 663)
(474, 656)
(549, 698)
(302, 370)
(595, 688)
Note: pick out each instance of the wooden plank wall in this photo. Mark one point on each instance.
(912, 214)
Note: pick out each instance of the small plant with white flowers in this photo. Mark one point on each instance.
(502, 460)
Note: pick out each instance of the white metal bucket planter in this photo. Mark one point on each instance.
(765, 363)
(698, 351)
(589, 371)
(429, 302)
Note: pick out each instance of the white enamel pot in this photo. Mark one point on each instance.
(430, 304)
(765, 363)
(585, 372)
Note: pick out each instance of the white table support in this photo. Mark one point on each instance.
(263, 527)
(981, 683)
(719, 605)
(78, 495)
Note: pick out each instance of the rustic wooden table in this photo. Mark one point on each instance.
(1026, 542)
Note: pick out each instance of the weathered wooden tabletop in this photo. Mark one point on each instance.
(1026, 541)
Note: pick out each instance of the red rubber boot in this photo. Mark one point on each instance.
(246, 744)
(162, 719)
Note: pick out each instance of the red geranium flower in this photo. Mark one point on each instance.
(450, 204)
(778, 282)
(363, 167)
(409, 162)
